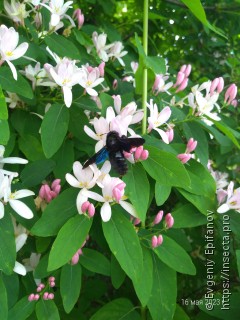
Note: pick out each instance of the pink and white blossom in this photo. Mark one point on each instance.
(16, 11)
(233, 200)
(9, 49)
(89, 80)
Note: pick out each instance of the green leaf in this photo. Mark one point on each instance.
(4, 131)
(34, 173)
(201, 202)
(165, 168)
(140, 47)
(31, 147)
(70, 237)
(238, 261)
(64, 159)
(162, 302)
(227, 131)
(54, 128)
(124, 243)
(12, 286)
(46, 309)
(162, 193)
(187, 217)
(3, 106)
(85, 103)
(180, 314)
(117, 309)
(7, 245)
(197, 9)
(22, 309)
(117, 273)
(20, 86)
(156, 64)
(202, 182)
(143, 286)
(138, 189)
(62, 46)
(95, 261)
(56, 213)
(106, 101)
(175, 256)
(70, 285)
(3, 301)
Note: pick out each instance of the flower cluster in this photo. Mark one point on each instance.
(41, 291)
(186, 156)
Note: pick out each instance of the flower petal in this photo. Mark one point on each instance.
(1, 210)
(67, 92)
(21, 208)
(20, 269)
(223, 208)
(106, 212)
(20, 241)
(23, 193)
(129, 208)
(13, 69)
(163, 135)
(72, 180)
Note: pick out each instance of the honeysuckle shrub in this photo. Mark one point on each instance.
(161, 241)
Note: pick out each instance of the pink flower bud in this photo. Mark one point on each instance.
(184, 157)
(47, 67)
(85, 206)
(138, 153)
(144, 155)
(188, 70)
(230, 94)
(51, 296)
(157, 83)
(121, 186)
(180, 78)
(234, 103)
(45, 296)
(191, 145)
(51, 278)
(158, 217)
(41, 285)
(36, 297)
(183, 68)
(183, 85)
(136, 221)
(214, 85)
(39, 289)
(169, 220)
(170, 134)
(57, 189)
(220, 85)
(159, 240)
(101, 69)
(31, 297)
(127, 154)
(115, 84)
(75, 259)
(42, 192)
(80, 251)
(154, 241)
(117, 194)
(134, 66)
(55, 183)
(117, 103)
(52, 284)
(91, 210)
(79, 16)
(221, 195)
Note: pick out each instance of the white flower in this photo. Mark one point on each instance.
(13, 100)
(157, 119)
(38, 76)
(84, 179)
(9, 160)
(16, 11)
(66, 74)
(8, 47)
(116, 52)
(99, 42)
(20, 240)
(108, 185)
(204, 105)
(89, 80)
(160, 84)
(32, 262)
(58, 10)
(233, 199)
(6, 196)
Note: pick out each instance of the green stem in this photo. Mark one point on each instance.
(143, 313)
(145, 47)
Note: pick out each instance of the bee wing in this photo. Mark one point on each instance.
(128, 143)
(118, 162)
(97, 158)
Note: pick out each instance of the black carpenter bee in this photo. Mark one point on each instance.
(115, 145)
